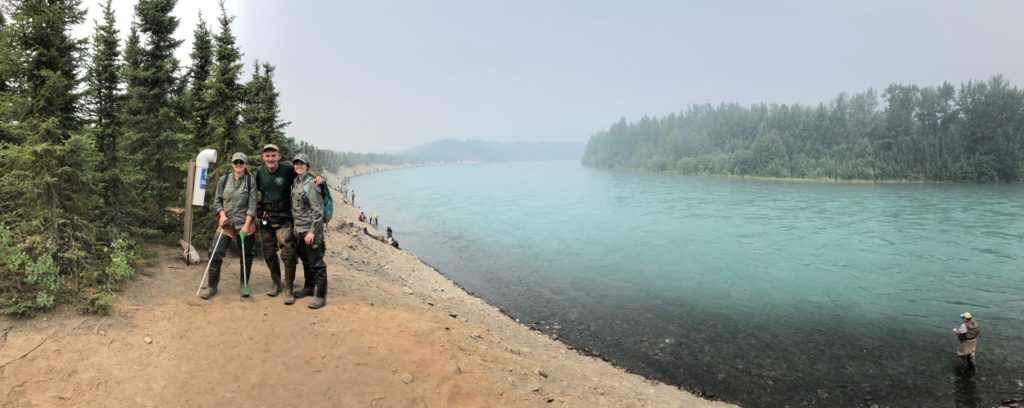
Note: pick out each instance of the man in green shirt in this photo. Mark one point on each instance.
(274, 183)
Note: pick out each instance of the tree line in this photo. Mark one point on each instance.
(95, 137)
(970, 133)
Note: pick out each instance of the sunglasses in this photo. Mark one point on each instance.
(238, 162)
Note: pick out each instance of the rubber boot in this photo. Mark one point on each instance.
(308, 281)
(275, 277)
(320, 298)
(321, 282)
(209, 292)
(301, 293)
(289, 297)
(215, 264)
(268, 238)
(275, 289)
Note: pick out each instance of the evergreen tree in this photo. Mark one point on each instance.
(50, 62)
(50, 193)
(198, 93)
(155, 136)
(225, 92)
(105, 107)
(261, 111)
(9, 67)
(103, 93)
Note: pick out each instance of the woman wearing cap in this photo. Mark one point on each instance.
(236, 203)
(308, 226)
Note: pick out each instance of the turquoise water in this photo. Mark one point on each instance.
(761, 293)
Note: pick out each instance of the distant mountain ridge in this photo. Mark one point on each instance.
(480, 150)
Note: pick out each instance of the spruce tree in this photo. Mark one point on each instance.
(50, 193)
(155, 131)
(198, 92)
(103, 94)
(105, 102)
(9, 67)
(225, 92)
(261, 111)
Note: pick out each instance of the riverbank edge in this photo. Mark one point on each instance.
(334, 178)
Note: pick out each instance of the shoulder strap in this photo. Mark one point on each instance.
(224, 181)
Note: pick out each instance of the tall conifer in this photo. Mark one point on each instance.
(261, 111)
(156, 136)
(103, 81)
(49, 192)
(225, 92)
(198, 91)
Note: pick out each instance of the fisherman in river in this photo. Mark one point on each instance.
(967, 333)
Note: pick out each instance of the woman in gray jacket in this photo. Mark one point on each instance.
(308, 227)
(236, 203)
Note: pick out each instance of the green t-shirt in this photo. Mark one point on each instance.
(276, 187)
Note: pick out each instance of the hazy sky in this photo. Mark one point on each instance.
(385, 75)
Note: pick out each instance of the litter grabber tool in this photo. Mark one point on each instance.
(220, 233)
(245, 278)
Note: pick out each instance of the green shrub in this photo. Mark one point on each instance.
(27, 286)
(122, 260)
(98, 304)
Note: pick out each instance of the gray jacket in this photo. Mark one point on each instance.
(237, 199)
(307, 209)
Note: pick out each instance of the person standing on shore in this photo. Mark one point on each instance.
(967, 333)
(353, 198)
(308, 214)
(274, 183)
(235, 201)
(389, 231)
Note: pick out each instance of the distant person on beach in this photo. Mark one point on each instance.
(235, 201)
(967, 333)
(389, 231)
(308, 216)
(362, 216)
(274, 183)
(373, 219)
(393, 242)
(353, 198)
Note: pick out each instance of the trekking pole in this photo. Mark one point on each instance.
(220, 232)
(245, 279)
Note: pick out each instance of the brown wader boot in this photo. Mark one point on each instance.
(289, 297)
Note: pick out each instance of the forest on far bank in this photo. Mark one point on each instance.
(970, 133)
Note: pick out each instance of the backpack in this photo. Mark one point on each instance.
(224, 181)
(327, 200)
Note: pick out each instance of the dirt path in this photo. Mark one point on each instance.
(394, 333)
